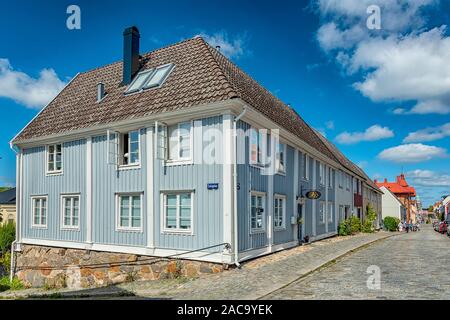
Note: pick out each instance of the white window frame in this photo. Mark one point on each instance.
(40, 226)
(305, 167)
(340, 179)
(160, 84)
(186, 160)
(149, 73)
(330, 177)
(47, 158)
(283, 213)
(261, 148)
(330, 213)
(122, 155)
(129, 228)
(70, 196)
(322, 208)
(264, 213)
(347, 182)
(281, 169)
(177, 230)
(321, 174)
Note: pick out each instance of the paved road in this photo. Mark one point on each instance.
(412, 266)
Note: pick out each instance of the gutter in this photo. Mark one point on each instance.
(235, 218)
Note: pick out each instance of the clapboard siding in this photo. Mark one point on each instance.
(37, 183)
(208, 204)
(107, 181)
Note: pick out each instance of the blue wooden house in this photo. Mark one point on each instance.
(177, 151)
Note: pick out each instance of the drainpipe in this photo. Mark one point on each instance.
(236, 235)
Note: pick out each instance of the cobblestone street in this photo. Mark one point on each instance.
(413, 266)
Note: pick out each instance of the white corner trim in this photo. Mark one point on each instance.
(295, 188)
(227, 178)
(89, 189)
(150, 156)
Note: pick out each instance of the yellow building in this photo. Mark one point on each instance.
(8, 206)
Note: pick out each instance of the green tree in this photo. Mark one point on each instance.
(430, 209)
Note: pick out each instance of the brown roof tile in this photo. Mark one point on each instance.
(201, 75)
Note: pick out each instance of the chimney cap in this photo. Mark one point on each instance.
(132, 29)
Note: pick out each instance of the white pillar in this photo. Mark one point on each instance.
(294, 200)
(228, 151)
(89, 190)
(314, 202)
(150, 157)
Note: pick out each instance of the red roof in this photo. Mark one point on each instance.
(398, 187)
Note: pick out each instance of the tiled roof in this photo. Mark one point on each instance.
(8, 196)
(398, 187)
(201, 75)
(348, 164)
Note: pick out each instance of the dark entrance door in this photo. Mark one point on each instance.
(300, 216)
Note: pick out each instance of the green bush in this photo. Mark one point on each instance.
(371, 216)
(5, 261)
(344, 228)
(350, 226)
(15, 284)
(7, 236)
(391, 223)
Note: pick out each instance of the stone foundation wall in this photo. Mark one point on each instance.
(38, 266)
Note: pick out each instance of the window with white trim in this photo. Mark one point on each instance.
(129, 148)
(340, 178)
(178, 211)
(279, 212)
(257, 208)
(150, 78)
(39, 211)
(70, 211)
(305, 163)
(330, 212)
(54, 158)
(348, 182)
(258, 145)
(321, 174)
(129, 214)
(280, 164)
(322, 212)
(180, 142)
(330, 177)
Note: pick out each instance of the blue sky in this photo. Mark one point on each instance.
(382, 96)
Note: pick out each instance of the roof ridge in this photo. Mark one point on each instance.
(292, 111)
(213, 58)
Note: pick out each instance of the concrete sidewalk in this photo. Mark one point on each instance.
(254, 280)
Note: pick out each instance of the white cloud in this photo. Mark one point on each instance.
(372, 133)
(429, 134)
(412, 153)
(401, 62)
(428, 178)
(26, 90)
(231, 47)
(329, 125)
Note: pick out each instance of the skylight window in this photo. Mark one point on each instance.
(150, 78)
(139, 81)
(158, 76)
